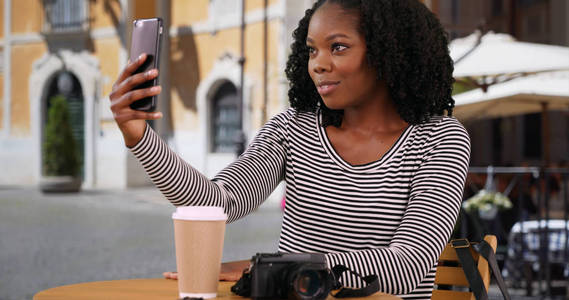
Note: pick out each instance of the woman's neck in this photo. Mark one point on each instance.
(379, 114)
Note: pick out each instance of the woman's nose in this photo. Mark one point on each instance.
(321, 63)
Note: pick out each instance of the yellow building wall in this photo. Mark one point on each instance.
(258, 4)
(144, 9)
(254, 66)
(184, 80)
(193, 58)
(104, 13)
(22, 56)
(275, 72)
(107, 53)
(27, 16)
(186, 12)
(210, 47)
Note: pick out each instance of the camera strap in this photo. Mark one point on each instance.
(372, 284)
(243, 286)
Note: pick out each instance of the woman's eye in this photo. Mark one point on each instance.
(311, 50)
(338, 47)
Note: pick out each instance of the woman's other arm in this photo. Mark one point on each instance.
(239, 188)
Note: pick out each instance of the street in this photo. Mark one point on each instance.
(59, 239)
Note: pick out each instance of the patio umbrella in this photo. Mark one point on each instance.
(484, 60)
(530, 94)
(506, 73)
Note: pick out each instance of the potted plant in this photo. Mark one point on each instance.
(61, 162)
(487, 203)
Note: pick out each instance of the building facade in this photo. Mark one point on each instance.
(535, 21)
(514, 140)
(77, 48)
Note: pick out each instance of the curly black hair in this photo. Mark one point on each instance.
(407, 46)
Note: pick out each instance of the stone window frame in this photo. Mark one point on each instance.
(224, 13)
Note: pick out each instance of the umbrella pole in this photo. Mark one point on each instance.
(545, 132)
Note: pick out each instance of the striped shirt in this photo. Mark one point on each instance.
(391, 217)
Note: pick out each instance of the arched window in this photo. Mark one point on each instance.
(225, 119)
(68, 86)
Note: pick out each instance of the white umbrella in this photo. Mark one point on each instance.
(523, 95)
(530, 94)
(494, 58)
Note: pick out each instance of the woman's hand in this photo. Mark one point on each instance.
(230, 271)
(132, 123)
(170, 275)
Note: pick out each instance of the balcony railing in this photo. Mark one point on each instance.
(66, 16)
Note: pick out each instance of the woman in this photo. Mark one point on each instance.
(374, 171)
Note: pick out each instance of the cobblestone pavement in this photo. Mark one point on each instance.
(59, 239)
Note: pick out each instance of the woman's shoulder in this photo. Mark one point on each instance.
(442, 123)
(293, 115)
(439, 128)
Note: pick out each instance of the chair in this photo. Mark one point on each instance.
(450, 273)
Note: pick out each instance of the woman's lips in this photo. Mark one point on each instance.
(327, 88)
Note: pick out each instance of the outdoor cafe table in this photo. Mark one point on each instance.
(139, 289)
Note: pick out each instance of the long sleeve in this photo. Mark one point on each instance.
(239, 188)
(434, 201)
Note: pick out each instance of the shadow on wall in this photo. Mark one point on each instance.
(113, 9)
(184, 67)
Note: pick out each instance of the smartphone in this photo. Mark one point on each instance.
(146, 37)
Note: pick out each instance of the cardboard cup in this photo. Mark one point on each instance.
(198, 235)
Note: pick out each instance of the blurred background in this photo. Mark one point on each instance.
(222, 73)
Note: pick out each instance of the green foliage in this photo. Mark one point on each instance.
(60, 153)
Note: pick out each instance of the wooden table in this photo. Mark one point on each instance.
(139, 289)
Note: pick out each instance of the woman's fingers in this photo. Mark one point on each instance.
(233, 276)
(122, 111)
(129, 97)
(230, 276)
(223, 276)
(130, 68)
(170, 275)
(127, 85)
(130, 114)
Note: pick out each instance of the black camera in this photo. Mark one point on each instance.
(290, 276)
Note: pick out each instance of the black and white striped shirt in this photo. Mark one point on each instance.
(390, 217)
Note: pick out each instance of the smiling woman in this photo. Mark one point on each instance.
(404, 43)
(374, 170)
(337, 60)
(338, 66)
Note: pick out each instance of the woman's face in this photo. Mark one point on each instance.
(337, 61)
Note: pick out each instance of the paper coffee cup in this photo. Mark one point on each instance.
(199, 233)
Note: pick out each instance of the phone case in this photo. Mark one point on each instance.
(146, 37)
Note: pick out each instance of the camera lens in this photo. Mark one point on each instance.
(308, 283)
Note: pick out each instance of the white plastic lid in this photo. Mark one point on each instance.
(200, 213)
